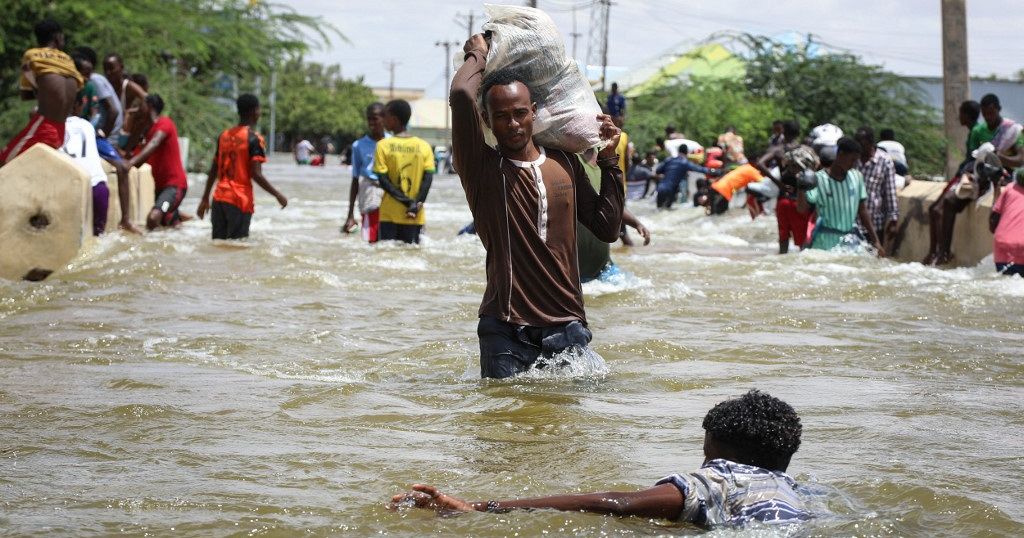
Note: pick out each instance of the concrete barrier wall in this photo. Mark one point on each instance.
(45, 213)
(972, 241)
(140, 198)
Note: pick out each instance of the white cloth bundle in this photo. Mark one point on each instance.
(526, 39)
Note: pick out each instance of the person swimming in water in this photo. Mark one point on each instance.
(748, 444)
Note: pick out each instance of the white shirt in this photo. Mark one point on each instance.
(103, 91)
(80, 144)
(895, 150)
(303, 149)
(672, 146)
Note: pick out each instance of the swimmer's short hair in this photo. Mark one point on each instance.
(375, 108)
(247, 103)
(400, 109)
(46, 31)
(990, 99)
(763, 430)
(503, 77)
(155, 102)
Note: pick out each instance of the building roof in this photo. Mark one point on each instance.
(709, 61)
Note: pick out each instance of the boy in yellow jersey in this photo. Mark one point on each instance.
(404, 166)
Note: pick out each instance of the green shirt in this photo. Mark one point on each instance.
(837, 203)
(593, 253)
(980, 134)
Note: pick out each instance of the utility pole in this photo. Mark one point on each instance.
(273, 106)
(575, 35)
(447, 82)
(391, 85)
(466, 21)
(956, 82)
(604, 53)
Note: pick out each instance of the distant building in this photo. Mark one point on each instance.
(428, 113)
(1010, 93)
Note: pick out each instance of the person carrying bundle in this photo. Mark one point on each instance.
(526, 199)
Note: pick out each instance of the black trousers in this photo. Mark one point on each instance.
(507, 349)
(229, 221)
(390, 231)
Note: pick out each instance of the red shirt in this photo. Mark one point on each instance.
(166, 160)
(237, 148)
(1008, 244)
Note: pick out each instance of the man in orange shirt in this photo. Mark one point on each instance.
(717, 199)
(237, 163)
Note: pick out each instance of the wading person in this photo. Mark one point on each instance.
(879, 173)
(748, 444)
(80, 144)
(839, 199)
(164, 156)
(237, 163)
(404, 166)
(1007, 226)
(525, 200)
(365, 187)
(674, 173)
(792, 158)
(49, 76)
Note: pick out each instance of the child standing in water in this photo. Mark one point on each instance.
(404, 166)
(748, 444)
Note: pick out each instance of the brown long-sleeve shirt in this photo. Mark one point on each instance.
(525, 214)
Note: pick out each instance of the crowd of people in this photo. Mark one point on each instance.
(114, 117)
(833, 191)
(531, 205)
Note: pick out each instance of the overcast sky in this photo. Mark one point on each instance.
(902, 35)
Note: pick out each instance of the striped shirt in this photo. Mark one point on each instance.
(723, 493)
(837, 203)
(880, 180)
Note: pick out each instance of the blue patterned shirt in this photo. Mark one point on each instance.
(723, 493)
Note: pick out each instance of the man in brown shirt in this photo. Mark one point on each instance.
(525, 201)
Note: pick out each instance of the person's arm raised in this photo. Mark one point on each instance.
(468, 142)
(601, 212)
(147, 151)
(664, 501)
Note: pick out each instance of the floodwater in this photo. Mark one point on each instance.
(169, 385)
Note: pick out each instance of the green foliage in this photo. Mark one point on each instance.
(701, 109)
(314, 100)
(194, 52)
(782, 82)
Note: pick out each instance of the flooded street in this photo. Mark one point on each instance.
(167, 384)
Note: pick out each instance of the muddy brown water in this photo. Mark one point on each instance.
(167, 385)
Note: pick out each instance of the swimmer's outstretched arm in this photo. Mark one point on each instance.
(664, 501)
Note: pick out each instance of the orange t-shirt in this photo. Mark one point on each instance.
(236, 148)
(736, 180)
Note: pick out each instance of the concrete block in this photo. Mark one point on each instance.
(140, 198)
(972, 241)
(45, 213)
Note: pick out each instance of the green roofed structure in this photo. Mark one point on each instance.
(706, 61)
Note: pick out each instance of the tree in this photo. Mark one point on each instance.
(187, 49)
(314, 100)
(785, 81)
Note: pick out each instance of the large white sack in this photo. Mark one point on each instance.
(527, 40)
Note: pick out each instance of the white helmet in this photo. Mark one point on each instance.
(826, 135)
